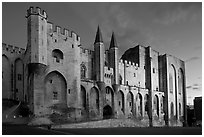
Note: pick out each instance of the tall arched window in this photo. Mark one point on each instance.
(83, 71)
(57, 54)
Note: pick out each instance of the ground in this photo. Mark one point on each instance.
(30, 130)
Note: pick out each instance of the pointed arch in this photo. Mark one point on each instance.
(139, 104)
(156, 104)
(6, 77)
(109, 96)
(180, 81)
(83, 71)
(121, 101)
(162, 103)
(18, 70)
(94, 99)
(180, 109)
(130, 102)
(83, 98)
(146, 100)
(172, 110)
(55, 88)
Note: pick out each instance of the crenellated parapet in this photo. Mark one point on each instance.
(12, 49)
(128, 63)
(62, 31)
(86, 51)
(36, 11)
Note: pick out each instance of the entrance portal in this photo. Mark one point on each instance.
(107, 112)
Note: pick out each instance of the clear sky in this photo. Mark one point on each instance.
(173, 28)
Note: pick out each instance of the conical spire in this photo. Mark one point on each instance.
(113, 42)
(98, 36)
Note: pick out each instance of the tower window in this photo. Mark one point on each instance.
(153, 70)
(57, 54)
(19, 77)
(83, 71)
(55, 94)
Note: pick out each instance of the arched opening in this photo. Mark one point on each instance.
(109, 96)
(156, 104)
(180, 81)
(180, 109)
(130, 103)
(172, 110)
(139, 104)
(94, 99)
(120, 80)
(55, 88)
(171, 83)
(107, 112)
(121, 103)
(146, 99)
(83, 71)
(57, 54)
(83, 98)
(18, 79)
(6, 77)
(162, 104)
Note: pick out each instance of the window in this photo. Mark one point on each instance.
(97, 102)
(119, 103)
(19, 77)
(130, 104)
(57, 54)
(83, 71)
(69, 91)
(50, 81)
(153, 70)
(134, 75)
(55, 94)
(16, 90)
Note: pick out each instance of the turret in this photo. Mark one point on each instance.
(113, 58)
(99, 56)
(37, 35)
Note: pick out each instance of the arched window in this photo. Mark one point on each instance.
(57, 54)
(120, 80)
(179, 109)
(172, 110)
(83, 71)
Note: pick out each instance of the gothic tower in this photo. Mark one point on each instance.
(99, 56)
(36, 57)
(37, 35)
(113, 58)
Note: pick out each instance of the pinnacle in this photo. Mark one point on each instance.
(113, 42)
(98, 36)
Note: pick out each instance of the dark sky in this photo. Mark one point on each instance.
(173, 28)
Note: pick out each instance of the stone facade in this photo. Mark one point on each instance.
(64, 82)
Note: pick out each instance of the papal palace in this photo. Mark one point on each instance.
(59, 79)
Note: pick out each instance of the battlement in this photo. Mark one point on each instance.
(12, 49)
(63, 31)
(128, 63)
(36, 11)
(86, 51)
